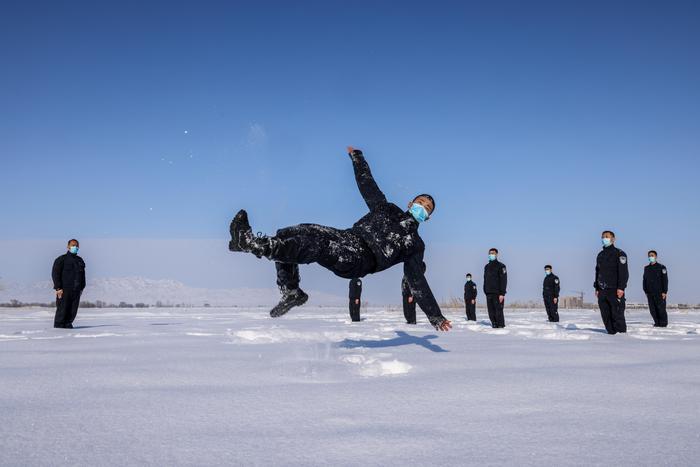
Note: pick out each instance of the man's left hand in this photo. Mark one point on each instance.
(620, 293)
(501, 298)
(663, 295)
(556, 299)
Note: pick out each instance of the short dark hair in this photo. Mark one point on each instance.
(608, 231)
(74, 240)
(432, 200)
(469, 274)
(548, 266)
(653, 251)
(493, 249)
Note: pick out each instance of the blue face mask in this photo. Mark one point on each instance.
(74, 249)
(492, 257)
(419, 213)
(606, 241)
(652, 259)
(548, 272)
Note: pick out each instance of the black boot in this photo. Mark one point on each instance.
(241, 232)
(290, 299)
(243, 239)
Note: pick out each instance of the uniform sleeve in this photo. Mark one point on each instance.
(595, 279)
(664, 280)
(421, 290)
(466, 289)
(503, 279)
(57, 273)
(644, 281)
(623, 273)
(369, 190)
(476, 291)
(557, 287)
(82, 276)
(405, 288)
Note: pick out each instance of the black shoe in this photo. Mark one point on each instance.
(241, 232)
(290, 299)
(68, 326)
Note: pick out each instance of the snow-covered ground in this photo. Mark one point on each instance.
(235, 387)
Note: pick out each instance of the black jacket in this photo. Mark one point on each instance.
(495, 278)
(355, 289)
(611, 270)
(68, 273)
(391, 233)
(470, 291)
(655, 279)
(551, 286)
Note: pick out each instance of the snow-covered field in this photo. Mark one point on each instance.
(235, 387)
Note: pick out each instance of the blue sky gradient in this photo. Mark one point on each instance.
(535, 125)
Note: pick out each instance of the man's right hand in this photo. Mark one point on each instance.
(350, 149)
(59, 294)
(473, 302)
(357, 301)
(410, 299)
(596, 293)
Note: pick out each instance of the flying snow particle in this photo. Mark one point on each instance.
(186, 131)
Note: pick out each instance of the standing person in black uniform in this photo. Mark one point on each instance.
(409, 303)
(68, 274)
(655, 285)
(386, 236)
(470, 293)
(550, 294)
(611, 276)
(355, 298)
(495, 284)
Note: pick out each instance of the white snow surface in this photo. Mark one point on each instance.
(231, 386)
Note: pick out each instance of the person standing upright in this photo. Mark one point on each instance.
(470, 293)
(550, 294)
(355, 299)
(68, 274)
(655, 285)
(495, 284)
(611, 276)
(409, 301)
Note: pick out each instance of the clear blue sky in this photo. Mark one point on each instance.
(534, 124)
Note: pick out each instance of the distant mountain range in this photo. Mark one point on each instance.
(166, 291)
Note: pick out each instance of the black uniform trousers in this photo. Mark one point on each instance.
(552, 308)
(612, 310)
(354, 310)
(471, 309)
(409, 310)
(66, 308)
(495, 310)
(340, 251)
(657, 308)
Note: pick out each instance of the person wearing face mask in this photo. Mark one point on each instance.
(495, 283)
(68, 274)
(355, 299)
(409, 303)
(470, 293)
(386, 236)
(655, 284)
(611, 276)
(550, 294)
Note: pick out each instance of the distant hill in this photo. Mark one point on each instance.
(151, 291)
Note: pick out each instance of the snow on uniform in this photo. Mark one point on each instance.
(495, 284)
(470, 293)
(355, 295)
(550, 291)
(611, 274)
(386, 236)
(655, 283)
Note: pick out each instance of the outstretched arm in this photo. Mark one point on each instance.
(413, 271)
(369, 190)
